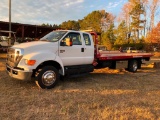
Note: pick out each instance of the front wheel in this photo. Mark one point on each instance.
(47, 77)
(132, 65)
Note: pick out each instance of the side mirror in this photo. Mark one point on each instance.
(62, 43)
(66, 42)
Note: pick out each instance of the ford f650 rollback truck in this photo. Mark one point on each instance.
(64, 52)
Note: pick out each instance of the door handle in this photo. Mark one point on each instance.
(82, 49)
(62, 51)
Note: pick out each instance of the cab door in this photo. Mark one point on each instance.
(88, 48)
(72, 55)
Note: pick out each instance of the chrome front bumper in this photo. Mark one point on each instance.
(18, 74)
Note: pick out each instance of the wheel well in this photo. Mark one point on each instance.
(139, 62)
(47, 63)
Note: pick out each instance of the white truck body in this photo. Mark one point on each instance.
(49, 52)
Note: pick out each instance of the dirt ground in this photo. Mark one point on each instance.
(102, 95)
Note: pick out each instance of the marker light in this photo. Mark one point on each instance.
(30, 62)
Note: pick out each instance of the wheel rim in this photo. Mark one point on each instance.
(135, 66)
(48, 78)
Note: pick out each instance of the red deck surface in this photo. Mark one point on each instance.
(116, 55)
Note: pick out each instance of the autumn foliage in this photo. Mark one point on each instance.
(154, 35)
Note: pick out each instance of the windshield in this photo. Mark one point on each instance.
(53, 36)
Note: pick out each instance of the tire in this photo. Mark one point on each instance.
(139, 64)
(113, 65)
(47, 77)
(132, 65)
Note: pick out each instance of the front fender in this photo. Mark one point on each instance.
(40, 58)
(58, 60)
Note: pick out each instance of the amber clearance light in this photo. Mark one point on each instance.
(30, 62)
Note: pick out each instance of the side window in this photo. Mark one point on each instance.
(86, 39)
(76, 38)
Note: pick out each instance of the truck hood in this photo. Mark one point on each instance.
(37, 46)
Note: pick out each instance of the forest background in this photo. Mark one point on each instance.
(135, 26)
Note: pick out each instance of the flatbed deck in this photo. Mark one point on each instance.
(116, 55)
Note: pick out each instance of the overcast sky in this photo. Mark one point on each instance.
(55, 11)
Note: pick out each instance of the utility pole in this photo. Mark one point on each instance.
(9, 42)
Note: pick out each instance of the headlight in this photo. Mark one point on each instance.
(14, 56)
(18, 55)
(19, 52)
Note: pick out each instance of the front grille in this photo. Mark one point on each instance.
(13, 58)
(11, 51)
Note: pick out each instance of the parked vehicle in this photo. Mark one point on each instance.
(131, 50)
(102, 48)
(4, 40)
(64, 52)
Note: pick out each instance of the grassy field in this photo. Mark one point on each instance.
(102, 95)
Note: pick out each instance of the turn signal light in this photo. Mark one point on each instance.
(30, 62)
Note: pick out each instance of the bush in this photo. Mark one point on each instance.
(139, 46)
(156, 54)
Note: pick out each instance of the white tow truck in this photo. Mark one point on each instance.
(64, 52)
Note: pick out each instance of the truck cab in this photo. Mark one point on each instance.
(59, 53)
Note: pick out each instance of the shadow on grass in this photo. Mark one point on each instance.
(95, 81)
(98, 80)
(143, 79)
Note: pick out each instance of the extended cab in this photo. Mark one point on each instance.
(64, 52)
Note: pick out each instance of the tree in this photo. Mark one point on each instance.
(153, 6)
(153, 36)
(50, 25)
(106, 20)
(121, 34)
(46, 25)
(70, 25)
(97, 20)
(92, 21)
(125, 14)
(55, 26)
(108, 37)
(136, 12)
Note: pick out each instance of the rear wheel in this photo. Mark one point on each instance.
(47, 77)
(132, 65)
(113, 65)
